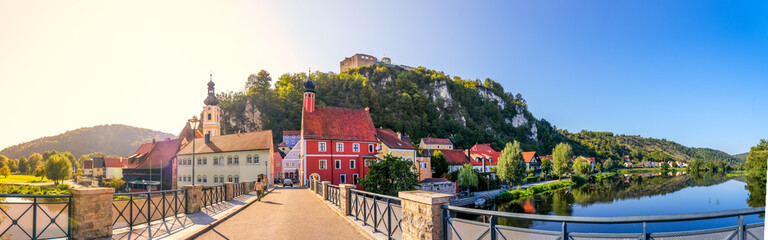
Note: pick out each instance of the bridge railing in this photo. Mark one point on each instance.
(381, 212)
(213, 195)
(35, 216)
(239, 189)
(133, 209)
(333, 194)
(456, 228)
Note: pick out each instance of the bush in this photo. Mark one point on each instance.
(30, 189)
(531, 178)
(578, 179)
(534, 190)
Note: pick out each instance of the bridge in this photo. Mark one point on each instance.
(322, 211)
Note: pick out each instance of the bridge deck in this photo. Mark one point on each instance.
(286, 213)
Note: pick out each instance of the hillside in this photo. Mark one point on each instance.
(114, 139)
(425, 102)
(607, 145)
(742, 156)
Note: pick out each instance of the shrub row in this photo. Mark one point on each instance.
(29, 189)
(534, 190)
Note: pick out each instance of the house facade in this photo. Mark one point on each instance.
(292, 162)
(337, 142)
(455, 158)
(532, 161)
(113, 167)
(435, 143)
(277, 166)
(290, 139)
(483, 158)
(398, 145)
(226, 158)
(152, 166)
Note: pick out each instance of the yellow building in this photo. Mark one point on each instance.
(398, 145)
(435, 144)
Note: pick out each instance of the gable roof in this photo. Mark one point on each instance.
(454, 156)
(261, 140)
(527, 156)
(392, 140)
(88, 164)
(283, 145)
(484, 151)
(441, 141)
(332, 123)
(115, 162)
(295, 153)
(154, 155)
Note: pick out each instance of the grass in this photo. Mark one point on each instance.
(22, 179)
(735, 174)
(28, 189)
(649, 170)
(534, 190)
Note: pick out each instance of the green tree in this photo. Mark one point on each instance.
(561, 159)
(40, 170)
(58, 168)
(5, 171)
(439, 164)
(511, 166)
(81, 160)
(3, 160)
(23, 165)
(13, 164)
(756, 161)
(664, 167)
(34, 159)
(609, 164)
(581, 166)
(598, 166)
(546, 165)
(467, 176)
(389, 176)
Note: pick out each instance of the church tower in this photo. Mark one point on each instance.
(309, 95)
(211, 112)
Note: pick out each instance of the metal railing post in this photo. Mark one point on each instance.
(163, 201)
(493, 228)
(741, 228)
(34, 218)
(130, 211)
(564, 232)
(445, 223)
(389, 220)
(149, 212)
(69, 218)
(365, 211)
(375, 213)
(645, 231)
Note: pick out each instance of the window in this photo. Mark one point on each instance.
(205, 161)
(337, 164)
(237, 160)
(352, 164)
(209, 118)
(229, 160)
(256, 159)
(323, 164)
(321, 146)
(229, 178)
(199, 161)
(355, 178)
(199, 178)
(370, 147)
(215, 179)
(277, 163)
(356, 147)
(248, 160)
(205, 178)
(339, 147)
(343, 178)
(237, 179)
(215, 161)
(180, 179)
(367, 163)
(221, 161)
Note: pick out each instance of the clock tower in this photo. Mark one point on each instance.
(211, 112)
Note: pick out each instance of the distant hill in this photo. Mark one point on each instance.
(609, 145)
(741, 156)
(113, 139)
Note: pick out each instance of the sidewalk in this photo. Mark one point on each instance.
(286, 213)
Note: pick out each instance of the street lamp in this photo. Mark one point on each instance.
(193, 122)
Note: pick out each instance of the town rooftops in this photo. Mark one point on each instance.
(332, 123)
(392, 139)
(527, 156)
(440, 141)
(115, 162)
(261, 140)
(484, 151)
(291, 133)
(454, 157)
(88, 164)
(156, 154)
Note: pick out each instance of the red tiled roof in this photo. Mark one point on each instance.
(291, 133)
(392, 140)
(333, 123)
(283, 145)
(260, 140)
(527, 156)
(546, 156)
(443, 141)
(487, 152)
(115, 162)
(159, 155)
(454, 157)
(88, 164)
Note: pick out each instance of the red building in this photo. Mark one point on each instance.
(337, 142)
(483, 157)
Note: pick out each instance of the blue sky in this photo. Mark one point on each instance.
(694, 72)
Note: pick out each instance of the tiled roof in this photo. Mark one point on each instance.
(546, 156)
(295, 153)
(392, 140)
(291, 133)
(487, 152)
(159, 156)
(527, 156)
(454, 157)
(333, 123)
(283, 145)
(261, 140)
(98, 162)
(115, 162)
(88, 164)
(443, 141)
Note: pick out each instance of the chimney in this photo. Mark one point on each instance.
(399, 135)
(153, 141)
(367, 110)
(207, 138)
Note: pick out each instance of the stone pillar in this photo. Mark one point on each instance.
(248, 186)
(325, 189)
(229, 190)
(422, 217)
(91, 212)
(344, 201)
(194, 198)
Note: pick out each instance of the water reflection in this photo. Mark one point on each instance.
(22, 210)
(638, 195)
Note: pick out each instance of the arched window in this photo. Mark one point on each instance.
(229, 178)
(215, 161)
(237, 179)
(249, 159)
(209, 116)
(229, 160)
(221, 160)
(256, 159)
(215, 179)
(205, 178)
(199, 161)
(199, 178)
(205, 161)
(237, 160)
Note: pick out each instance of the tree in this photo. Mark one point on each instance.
(13, 165)
(5, 171)
(609, 164)
(546, 165)
(664, 168)
(34, 159)
(561, 159)
(756, 161)
(439, 164)
(58, 167)
(467, 176)
(81, 160)
(3, 160)
(511, 166)
(23, 165)
(40, 170)
(598, 167)
(390, 175)
(581, 166)
(116, 183)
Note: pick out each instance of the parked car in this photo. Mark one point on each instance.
(287, 182)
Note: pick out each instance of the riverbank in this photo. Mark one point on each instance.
(534, 190)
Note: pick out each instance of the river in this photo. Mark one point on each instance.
(638, 195)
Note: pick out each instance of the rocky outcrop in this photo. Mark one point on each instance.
(519, 119)
(488, 94)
